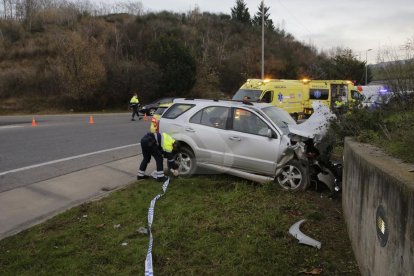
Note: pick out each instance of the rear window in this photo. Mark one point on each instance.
(213, 116)
(176, 110)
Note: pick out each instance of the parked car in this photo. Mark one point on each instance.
(150, 108)
(157, 115)
(256, 141)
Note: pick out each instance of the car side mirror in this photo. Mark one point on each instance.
(269, 133)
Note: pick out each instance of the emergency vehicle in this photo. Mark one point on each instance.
(286, 94)
(332, 93)
(297, 96)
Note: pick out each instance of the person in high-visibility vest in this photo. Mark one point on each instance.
(158, 145)
(134, 104)
(340, 105)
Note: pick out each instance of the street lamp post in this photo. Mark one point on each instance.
(262, 39)
(366, 66)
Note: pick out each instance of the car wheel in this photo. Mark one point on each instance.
(186, 161)
(293, 176)
(151, 111)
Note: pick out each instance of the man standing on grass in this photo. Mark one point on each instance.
(134, 104)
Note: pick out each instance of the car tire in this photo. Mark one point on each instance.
(186, 161)
(293, 177)
(151, 112)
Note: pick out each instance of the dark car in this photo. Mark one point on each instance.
(150, 108)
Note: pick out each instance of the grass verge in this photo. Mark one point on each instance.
(215, 225)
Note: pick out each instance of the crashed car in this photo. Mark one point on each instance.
(255, 141)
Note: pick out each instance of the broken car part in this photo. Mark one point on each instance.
(303, 239)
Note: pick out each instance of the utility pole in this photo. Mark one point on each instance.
(262, 39)
(366, 66)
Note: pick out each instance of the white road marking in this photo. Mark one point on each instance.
(66, 159)
(7, 127)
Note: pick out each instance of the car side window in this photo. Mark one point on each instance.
(248, 122)
(213, 116)
(267, 97)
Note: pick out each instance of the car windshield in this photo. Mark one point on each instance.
(254, 95)
(279, 117)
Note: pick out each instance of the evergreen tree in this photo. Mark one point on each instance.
(240, 12)
(177, 66)
(345, 66)
(257, 19)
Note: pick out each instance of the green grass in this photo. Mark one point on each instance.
(215, 225)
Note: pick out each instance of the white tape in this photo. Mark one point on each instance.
(148, 261)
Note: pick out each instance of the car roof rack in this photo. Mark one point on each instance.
(218, 100)
(213, 99)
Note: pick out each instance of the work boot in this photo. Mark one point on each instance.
(162, 179)
(142, 177)
(132, 119)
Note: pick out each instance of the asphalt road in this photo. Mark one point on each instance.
(62, 144)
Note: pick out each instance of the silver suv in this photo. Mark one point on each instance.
(249, 140)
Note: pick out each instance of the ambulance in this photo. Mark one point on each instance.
(332, 93)
(286, 94)
(297, 96)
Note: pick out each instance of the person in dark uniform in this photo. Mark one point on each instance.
(158, 145)
(134, 104)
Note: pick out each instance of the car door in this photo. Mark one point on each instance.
(248, 146)
(206, 129)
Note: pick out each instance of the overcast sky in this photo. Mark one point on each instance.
(355, 24)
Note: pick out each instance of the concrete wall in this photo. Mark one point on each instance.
(375, 185)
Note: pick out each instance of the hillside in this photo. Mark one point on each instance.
(74, 61)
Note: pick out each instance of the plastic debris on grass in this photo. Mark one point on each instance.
(303, 239)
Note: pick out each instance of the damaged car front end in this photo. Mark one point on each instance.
(310, 149)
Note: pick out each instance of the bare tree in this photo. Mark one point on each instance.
(9, 8)
(397, 71)
(132, 7)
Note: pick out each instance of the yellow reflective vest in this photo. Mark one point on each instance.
(134, 100)
(167, 142)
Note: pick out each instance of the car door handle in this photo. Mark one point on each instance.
(189, 129)
(235, 138)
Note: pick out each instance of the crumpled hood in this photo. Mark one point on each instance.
(316, 126)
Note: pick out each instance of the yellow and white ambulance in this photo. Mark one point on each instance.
(332, 93)
(297, 96)
(286, 94)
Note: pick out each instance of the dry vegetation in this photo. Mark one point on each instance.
(71, 55)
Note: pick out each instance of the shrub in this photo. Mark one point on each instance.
(11, 31)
